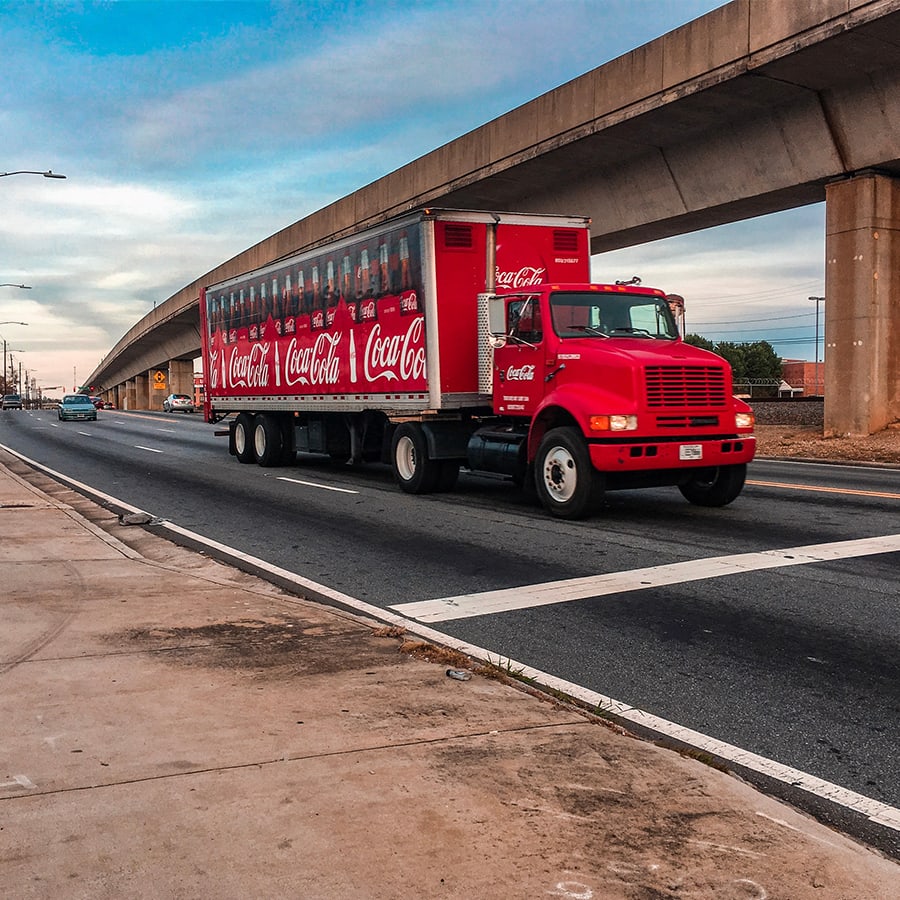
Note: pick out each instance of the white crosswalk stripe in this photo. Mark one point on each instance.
(490, 602)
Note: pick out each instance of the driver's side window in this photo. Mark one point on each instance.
(523, 320)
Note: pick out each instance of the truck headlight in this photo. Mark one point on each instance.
(613, 423)
(744, 420)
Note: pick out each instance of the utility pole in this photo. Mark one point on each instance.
(817, 300)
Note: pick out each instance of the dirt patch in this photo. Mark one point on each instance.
(809, 443)
(274, 648)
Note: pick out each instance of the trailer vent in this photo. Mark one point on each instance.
(686, 386)
(565, 241)
(458, 237)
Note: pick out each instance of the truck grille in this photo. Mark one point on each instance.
(685, 386)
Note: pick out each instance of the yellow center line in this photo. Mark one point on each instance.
(825, 490)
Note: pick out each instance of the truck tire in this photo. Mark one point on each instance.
(568, 486)
(413, 470)
(243, 438)
(714, 487)
(268, 441)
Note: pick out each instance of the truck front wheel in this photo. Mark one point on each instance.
(714, 487)
(568, 486)
(243, 438)
(413, 470)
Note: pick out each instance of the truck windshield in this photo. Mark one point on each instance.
(580, 313)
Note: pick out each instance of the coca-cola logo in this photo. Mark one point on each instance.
(249, 369)
(409, 302)
(527, 276)
(520, 373)
(395, 357)
(214, 369)
(318, 319)
(314, 365)
(367, 311)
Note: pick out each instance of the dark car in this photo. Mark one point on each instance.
(12, 401)
(76, 407)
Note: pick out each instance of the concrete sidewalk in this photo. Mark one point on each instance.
(172, 727)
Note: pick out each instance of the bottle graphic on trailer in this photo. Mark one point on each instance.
(352, 356)
(384, 286)
(254, 315)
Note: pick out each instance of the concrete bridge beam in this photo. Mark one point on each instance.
(862, 304)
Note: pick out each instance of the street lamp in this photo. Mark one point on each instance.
(47, 174)
(817, 300)
(26, 287)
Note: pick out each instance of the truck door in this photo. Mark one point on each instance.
(518, 365)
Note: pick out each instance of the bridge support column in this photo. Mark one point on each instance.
(142, 391)
(130, 395)
(862, 306)
(181, 377)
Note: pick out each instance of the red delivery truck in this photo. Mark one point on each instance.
(446, 339)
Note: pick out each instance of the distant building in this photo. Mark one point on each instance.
(802, 378)
(198, 389)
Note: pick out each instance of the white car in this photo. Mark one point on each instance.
(175, 402)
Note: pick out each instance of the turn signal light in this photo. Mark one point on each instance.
(613, 423)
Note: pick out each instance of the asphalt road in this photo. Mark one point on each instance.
(798, 663)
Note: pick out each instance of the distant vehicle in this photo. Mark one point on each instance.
(175, 402)
(12, 401)
(76, 407)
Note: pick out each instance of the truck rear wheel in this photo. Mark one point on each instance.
(243, 438)
(568, 486)
(268, 442)
(413, 470)
(716, 486)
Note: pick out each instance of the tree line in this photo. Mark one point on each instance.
(753, 364)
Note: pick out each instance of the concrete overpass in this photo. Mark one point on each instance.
(757, 107)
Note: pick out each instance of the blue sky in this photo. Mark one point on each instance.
(189, 131)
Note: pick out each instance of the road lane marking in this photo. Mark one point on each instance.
(149, 449)
(488, 602)
(315, 484)
(873, 810)
(825, 490)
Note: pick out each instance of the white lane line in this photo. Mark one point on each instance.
(527, 596)
(874, 810)
(85, 433)
(149, 449)
(324, 487)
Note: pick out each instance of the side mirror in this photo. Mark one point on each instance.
(497, 316)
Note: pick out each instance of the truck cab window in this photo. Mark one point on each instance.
(523, 320)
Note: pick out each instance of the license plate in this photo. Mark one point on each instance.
(690, 451)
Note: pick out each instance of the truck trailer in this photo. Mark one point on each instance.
(445, 339)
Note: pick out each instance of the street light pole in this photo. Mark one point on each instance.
(817, 300)
(4, 348)
(26, 287)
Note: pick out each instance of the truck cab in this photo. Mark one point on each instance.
(614, 396)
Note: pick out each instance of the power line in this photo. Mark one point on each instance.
(807, 315)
